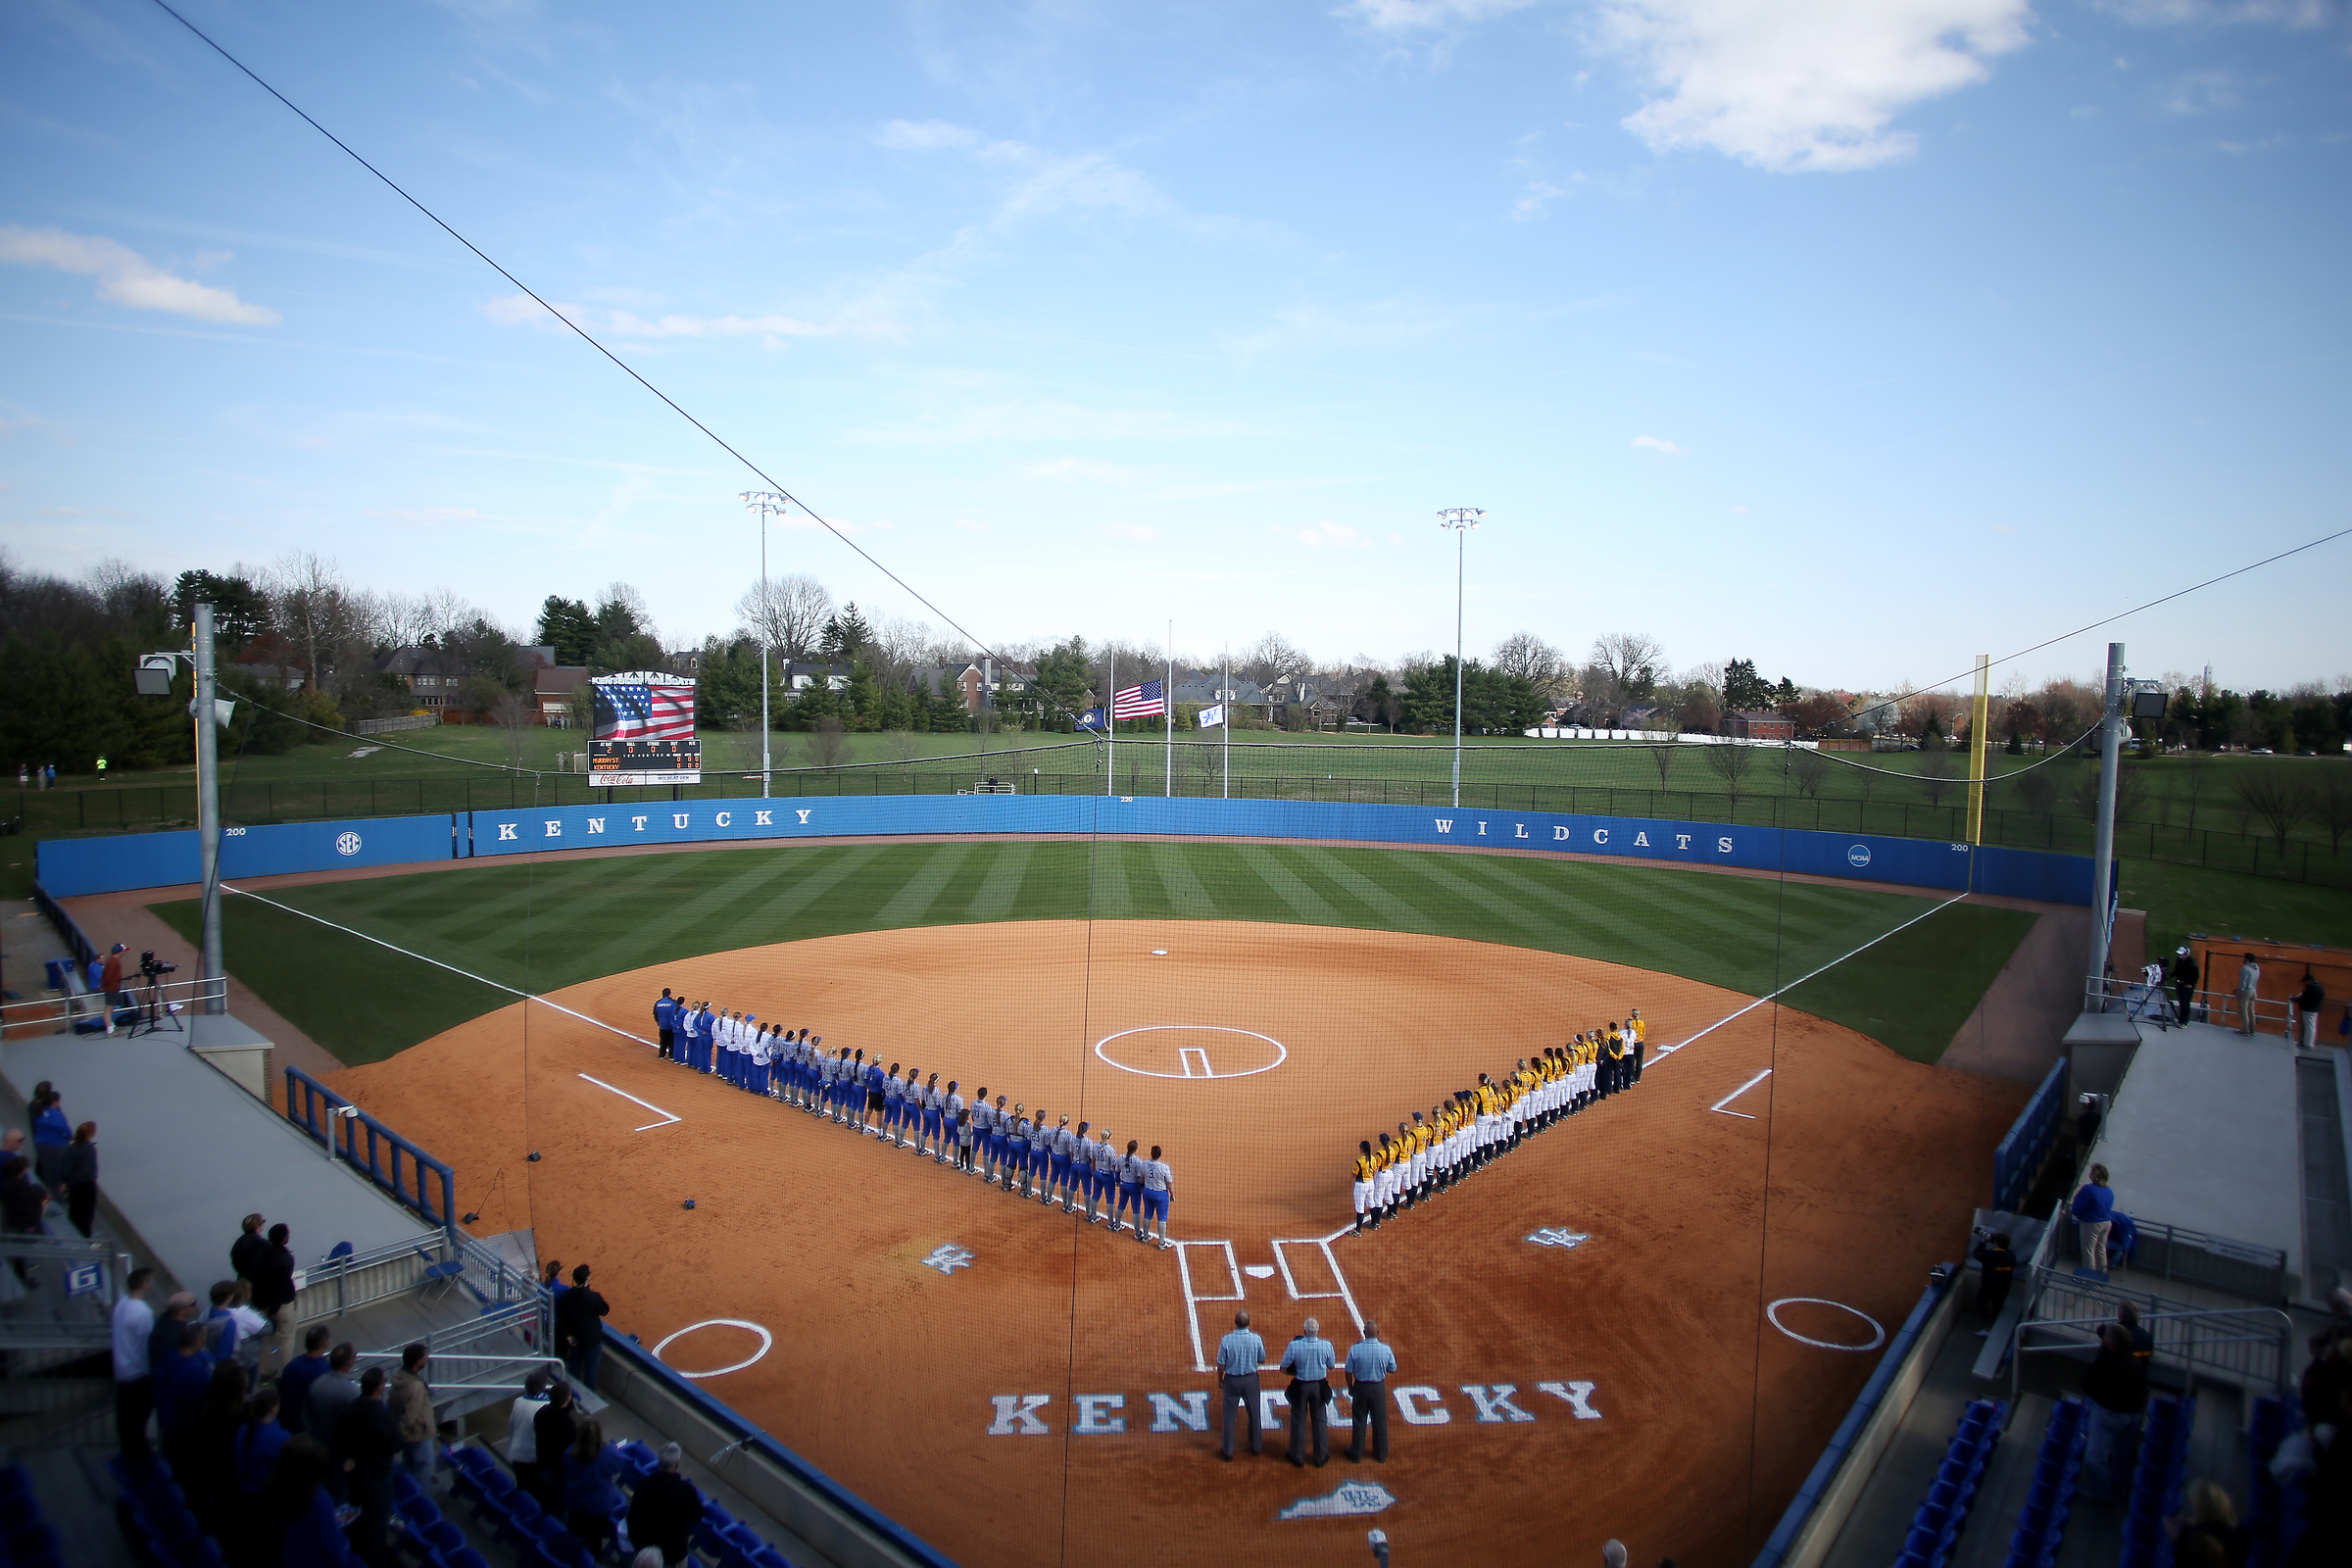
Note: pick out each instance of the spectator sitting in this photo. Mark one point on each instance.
(592, 1469)
(332, 1394)
(299, 1506)
(411, 1403)
(554, 1429)
(665, 1510)
(294, 1384)
(522, 1439)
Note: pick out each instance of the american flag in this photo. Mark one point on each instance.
(1139, 702)
(641, 710)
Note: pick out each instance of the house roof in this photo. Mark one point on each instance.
(560, 681)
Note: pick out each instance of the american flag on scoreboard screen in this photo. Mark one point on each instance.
(1139, 702)
(638, 711)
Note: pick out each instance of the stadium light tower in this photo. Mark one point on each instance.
(764, 502)
(1461, 519)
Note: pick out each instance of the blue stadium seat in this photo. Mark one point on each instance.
(462, 1557)
(519, 1526)
(442, 1535)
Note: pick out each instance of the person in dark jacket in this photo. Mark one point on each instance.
(1999, 1265)
(272, 1275)
(2184, 982)
(246, 1248)
(581, 1328)
(78, 1174)
(665, 1510)
(332, 1392)
(182, 1378)
(368, 1441)
(2116, 1389)
(253, 1458)
(294, 1384)
(22, 1200)
(210, 1474)
(592, 1470)
(553, 1430)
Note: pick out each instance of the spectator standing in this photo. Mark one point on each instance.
(581, 1315)
(2249, 978)
(2116, 1389)
(332, 1392)
(253, 1455)
(22, 1201)
(298, 1505)
(369, 1443)
(210, 1476)
(2093, 1210)
(592, 1470)
(2310, 1002)
(181, 1382)
(221, 1322)
(41, 1098)
(294, 1383)
(246, 1248)
(554, 1429)
(272, 1275)
(78, 1173)
(522, 1437)
(2185, 975)
(163, 1341)
(51, 1134)
(134, 1382)
(110, 981)
(550, 1277)
(1999, 1268)
(2213, 1515)
(252, 1329)
(665, 1510)
(412, 1401)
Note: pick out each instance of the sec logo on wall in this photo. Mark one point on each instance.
(347, 844)
(1858, 855)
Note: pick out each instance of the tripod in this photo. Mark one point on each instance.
(154, 1012)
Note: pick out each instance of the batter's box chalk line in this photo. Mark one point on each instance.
(1195, 1297)
(1188, 1057)
(765, 1341)
(1351, 1498)
(1772, 1314)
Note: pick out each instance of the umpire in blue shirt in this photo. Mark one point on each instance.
(1239, 1357)
(1369, 1365)
(1308, 1360)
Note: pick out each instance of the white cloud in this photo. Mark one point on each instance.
(128, 278)
(1797, 85)
(1399, 17)
(1660, 444)
(1326, 533)
(1140, 532)
(2199, 92)
(924, 135)
(522, 310)
(1539, 194)
(2178, 13)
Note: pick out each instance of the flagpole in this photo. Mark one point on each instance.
(1167, 709)
(1110, 721)
(1225, 696)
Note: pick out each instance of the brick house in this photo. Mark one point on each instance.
(1754, 724)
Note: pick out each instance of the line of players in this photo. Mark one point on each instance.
(1477, 1126)
(1013, 1147)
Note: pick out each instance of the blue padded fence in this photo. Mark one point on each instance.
(385, 1158)
(2020, 1157)
(72, 866)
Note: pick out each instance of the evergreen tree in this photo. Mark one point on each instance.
(568, 626)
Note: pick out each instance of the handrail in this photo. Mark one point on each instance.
(83, 948)
(2187, 1356)
(64, 1008)
(331, 1120)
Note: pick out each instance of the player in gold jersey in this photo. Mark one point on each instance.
(1362, 1189)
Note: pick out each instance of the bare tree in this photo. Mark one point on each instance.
(1662, 758)
(1938, 768)
(1731, 763)
(828, 747)
(1631, 663)
(1274, 661)
(1812, 771)
(515, 715)
(2332, 802)
(2196, 777)
(2036, 788)
(1530, 658)
(788, 613)
(2276, 797)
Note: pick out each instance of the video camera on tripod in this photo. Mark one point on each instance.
(153, 967)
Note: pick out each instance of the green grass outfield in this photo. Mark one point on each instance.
(542, 926)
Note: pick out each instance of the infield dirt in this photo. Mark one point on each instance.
(1840, 1178)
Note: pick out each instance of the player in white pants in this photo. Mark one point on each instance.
(1384, 1181)
(1362, 1188)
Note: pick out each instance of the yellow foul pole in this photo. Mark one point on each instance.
(1976, 751)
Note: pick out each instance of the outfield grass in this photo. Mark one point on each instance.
(2181, 899)
(538, 927)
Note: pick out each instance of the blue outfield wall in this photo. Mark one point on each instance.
(66, 869)
(72, 866)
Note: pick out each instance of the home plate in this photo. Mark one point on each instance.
(1258, 1271)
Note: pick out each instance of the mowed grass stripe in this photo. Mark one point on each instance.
(915, 896)
(1306, 907)
(1394, 911)
(1187, 899)
(1313, 870)
(1000, 890)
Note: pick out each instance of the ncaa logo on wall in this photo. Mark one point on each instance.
(1856, 855)
(347, 844)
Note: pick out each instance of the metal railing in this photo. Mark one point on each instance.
(2251, 1347)
(164, 1005)
(58, 1293)
(334, 1286)
(2155, 1005)
(341, 1127)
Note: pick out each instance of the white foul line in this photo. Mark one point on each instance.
(1192, 1314)
(1736, 1092)
(647, 1103)
(494, 985)
(1667, 1051)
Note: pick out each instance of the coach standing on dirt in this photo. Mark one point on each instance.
(1239, 1357)
(666, 1018)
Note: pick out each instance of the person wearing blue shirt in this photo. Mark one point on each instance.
(51, 1133)
(254, 1450)
(666, 1012)
(181, 1381)
(1240, 1354)
(592, 1469)
(294, 1384)
(1370, 1365)
(2094, 1211)
(1308, 1360)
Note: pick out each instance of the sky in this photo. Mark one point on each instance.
(1855, 337)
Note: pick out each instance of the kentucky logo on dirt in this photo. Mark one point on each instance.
(1353, 1498)
(1560, 1235)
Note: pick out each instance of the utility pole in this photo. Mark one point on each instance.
(764, 502)
(2111, 725)
(1461, 519)
(211, 972)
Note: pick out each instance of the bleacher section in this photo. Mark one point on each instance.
(2041, 1522)
(2158, 1482)
(1936, 1527)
